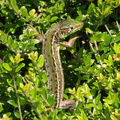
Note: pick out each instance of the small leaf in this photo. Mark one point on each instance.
(118, 77)
(33, 93)
(19, 67)
(107, 11)
(27, 87)
(52, 1)
(1, 107)
(116, 48)
(101, 77)
(54, 18)
(109, 61)
(99, 2)
(44, 77)
(5, 117)
(33, 56)
(113, 117)
(79, 13)
(22, 86)
(89, 30)
(61, 6)
(24, 11)
(96, 37)
(50, 99)
(1, 24)
(40, 61)
(12, 102)
(7, 67)
(12, 59)
(32, 12)
(91, 8)
(18, 59)
(97, 99)
(14, 4)
(83, 116)
(17, 114)
(73, 91)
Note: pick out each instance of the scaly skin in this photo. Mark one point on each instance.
(53, 65)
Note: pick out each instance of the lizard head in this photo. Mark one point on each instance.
(69, 26)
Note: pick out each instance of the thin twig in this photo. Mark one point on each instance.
(38, 16)
(118, 25)
(18, 101)
(15, 10)
(94, 50)
(107, 29)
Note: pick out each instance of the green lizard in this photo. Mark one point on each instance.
(51, 43)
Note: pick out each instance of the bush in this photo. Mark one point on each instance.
(91, 66)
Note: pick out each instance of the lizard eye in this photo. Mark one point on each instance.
(72, 28)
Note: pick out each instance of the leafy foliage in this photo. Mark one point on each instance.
(91, 67)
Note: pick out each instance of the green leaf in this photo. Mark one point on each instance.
(33, 56)
(12, 102)
(52, 1)
(83, 116)
(1, 107)
(96, 37)
(31, 46)
(44, 77)
(105, 38)
(50, 99)
(7, 67)
(97, 99)
(22, 100)
(109, 61)
(19, 79)
(61, 6)
(99, 2)
(32, 12)
(14, 4)
(54, 18)
(24, 11)
(88, 60)
(19, 67)
(5, 117)
(17, 114)
(27, 87)
(98, 102)
(91, 8)
(12, 59)
(18, 58)
(89, 30)
(1, 24)
(79, 13)
(107, 11)
(40, 61)
(116, 100)
(33, 93)
(113, 117)
(118, 77)
(116, 48)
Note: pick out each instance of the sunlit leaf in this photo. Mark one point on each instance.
(7, 67)
(12, 102)
(40, 61)
(19, 67)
